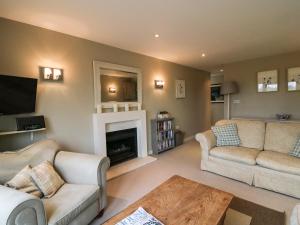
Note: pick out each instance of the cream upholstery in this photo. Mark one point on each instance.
(18, 208)
(273, 170)
(75, 204)
(236, 154)
(231, 169)
(92, 170)
(279, 161)
(295, 216)
(281, 137)
(69, 202)
(31, 155)
(207, 141)
(251, 132)
(277, 181)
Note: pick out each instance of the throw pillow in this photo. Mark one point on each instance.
(22, 181)
(296, 151)
(227, 135)
(46, 178)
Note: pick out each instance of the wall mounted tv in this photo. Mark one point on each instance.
(17, 95)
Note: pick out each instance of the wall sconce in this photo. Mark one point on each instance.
(51, 74)
(112, 90)
(159, 84)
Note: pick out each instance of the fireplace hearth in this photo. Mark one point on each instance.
(121, 145)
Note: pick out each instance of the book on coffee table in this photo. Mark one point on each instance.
(140, 217)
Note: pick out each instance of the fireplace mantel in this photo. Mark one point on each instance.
(106, 122)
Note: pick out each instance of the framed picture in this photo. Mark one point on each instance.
(180, 88)
(293, 79)
(267, 81)
(215, 94)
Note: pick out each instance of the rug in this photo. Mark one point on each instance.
(258, 214)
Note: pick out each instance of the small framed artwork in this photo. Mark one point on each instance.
(180, 88)
(267, 81)
(293, 79)
(215, 94)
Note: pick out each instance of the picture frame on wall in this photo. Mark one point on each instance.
(293, 78)
(180, 88)
(215, 94)
(267, 81)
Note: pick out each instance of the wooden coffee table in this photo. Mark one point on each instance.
(180, 201)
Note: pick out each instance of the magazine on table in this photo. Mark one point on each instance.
(140, 217)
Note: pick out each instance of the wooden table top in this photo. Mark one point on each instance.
(180, 201)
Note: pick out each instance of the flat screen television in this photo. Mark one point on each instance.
(17, 95)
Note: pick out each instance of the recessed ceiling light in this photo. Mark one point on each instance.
(203, 55)
(156, 35)
(221, 70)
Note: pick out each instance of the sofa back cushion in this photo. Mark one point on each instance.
(251, 132)
(13, 162)
(281, 136)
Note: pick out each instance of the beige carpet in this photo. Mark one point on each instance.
(184, 161)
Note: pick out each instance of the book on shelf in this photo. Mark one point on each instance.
(164, 125)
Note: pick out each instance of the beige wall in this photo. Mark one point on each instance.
(68, 106)
(263, 105)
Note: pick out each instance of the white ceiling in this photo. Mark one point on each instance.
(226, 30)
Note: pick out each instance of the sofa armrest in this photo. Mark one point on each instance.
(78, 168)
(295, 215)
(19, 208)
(207, 141)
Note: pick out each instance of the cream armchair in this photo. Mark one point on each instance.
(78, 201)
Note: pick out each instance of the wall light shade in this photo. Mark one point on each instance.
(112, 90)
(159, 84)
(51, 74)
(57, 74)
(47, 73)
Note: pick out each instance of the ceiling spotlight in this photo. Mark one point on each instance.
(221, 70)
(203, 54)
(156, 35)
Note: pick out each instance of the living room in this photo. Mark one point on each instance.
(82, 82)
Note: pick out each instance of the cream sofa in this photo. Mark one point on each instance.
(77, 202)
(261, 159)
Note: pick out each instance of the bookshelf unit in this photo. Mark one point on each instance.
(163, 134)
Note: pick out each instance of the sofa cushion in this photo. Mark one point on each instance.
(227, 135)
(279, 161)
(251, 132)
(236, 154)
(296, 151)
(23, 182)
(46, 178)
(281, 136)
(69, 202)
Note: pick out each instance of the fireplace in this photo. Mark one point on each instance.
(121, 145)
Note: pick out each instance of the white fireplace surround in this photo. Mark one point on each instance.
(107, 122)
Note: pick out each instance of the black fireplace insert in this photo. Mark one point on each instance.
(121, 145)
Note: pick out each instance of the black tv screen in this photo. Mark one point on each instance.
(17, 95)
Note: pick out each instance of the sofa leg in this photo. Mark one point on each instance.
(100, 214)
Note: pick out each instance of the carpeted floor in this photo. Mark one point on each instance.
(185, 161)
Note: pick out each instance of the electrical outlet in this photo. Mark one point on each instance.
(177, 127)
